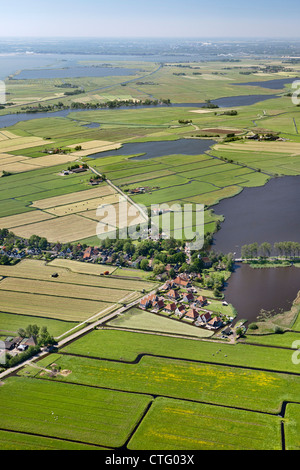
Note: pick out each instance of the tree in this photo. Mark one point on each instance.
(158, 269)
(253, 247)
(265, 249)
(45, 339)
(239, 331)
(245, 252)
(144, 264)
(30, 330)
(43, 243)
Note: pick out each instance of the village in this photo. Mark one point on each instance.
(179, 299)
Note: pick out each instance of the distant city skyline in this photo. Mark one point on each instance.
(158, 18)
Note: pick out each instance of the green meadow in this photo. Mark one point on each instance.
(50, 409)
(178, 425)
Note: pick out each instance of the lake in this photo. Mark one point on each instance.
(266, 213)
(74, 72)
(274, 84)
(250, 290)
(160, 149)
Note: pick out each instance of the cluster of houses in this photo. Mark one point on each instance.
(16, 345)
(182, 304)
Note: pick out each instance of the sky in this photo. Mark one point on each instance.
(152, 18)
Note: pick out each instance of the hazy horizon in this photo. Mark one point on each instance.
(167, 19)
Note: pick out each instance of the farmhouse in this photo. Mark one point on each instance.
(26, 343)
(215, 323)
(182, 282)
(148, 301)
(145, 303)
(180, 310)
(158, 305)
(192, 313)
(173, 294)
(137, 191)
(170, 308)
(205, 317)
(201, 300)
(188, 297)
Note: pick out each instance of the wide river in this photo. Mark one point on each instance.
(7, 120)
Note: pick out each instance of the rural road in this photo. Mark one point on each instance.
(70, 338)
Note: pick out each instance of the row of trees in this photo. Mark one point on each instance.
(286, 249)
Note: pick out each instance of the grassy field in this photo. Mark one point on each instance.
(10, 324)
(292, 423)
(88, 275)
(29, 294)
(140, 320)
(50, 409)
(179, 425)
(114, 345)
(209, 383)
(11, 440)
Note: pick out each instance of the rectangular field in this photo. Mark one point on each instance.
(74, 197)
(70, 291)
(50, 409)
(202, 382)
(178, 425)
(60, 308)
(140, 320)
(72, 272)
(64, 229)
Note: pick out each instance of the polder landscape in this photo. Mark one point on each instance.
(115, 343)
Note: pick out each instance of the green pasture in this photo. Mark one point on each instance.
(179, 425)
(10, 440)
(255, 390)
(50, 409)
(291, 426)
(10, 324)
(141, 320)
(114, 345)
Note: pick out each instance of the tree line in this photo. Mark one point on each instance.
(287, 249)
